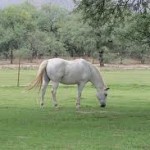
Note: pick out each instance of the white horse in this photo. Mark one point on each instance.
(78, 72)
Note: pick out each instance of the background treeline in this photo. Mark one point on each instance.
(105, 31)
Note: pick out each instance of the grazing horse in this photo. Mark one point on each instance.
(77, 71)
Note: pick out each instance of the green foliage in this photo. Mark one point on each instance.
(124, 23)
(15, 22)
(118, 28)
(49, 22)
(100, 12)
(133, 37)
(78, 37)
(54, 32)
(51, 17)
(140, 27)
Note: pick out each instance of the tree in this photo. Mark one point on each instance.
(50, 17)
(113, 16)
(78, 36)
(139, 31)
(49, 21)
(102, 11)
(16, 21)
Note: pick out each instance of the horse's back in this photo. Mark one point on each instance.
(68, 72)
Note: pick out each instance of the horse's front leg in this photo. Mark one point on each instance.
(80, 88)
(54, 91)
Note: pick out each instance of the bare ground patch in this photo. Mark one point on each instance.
(35, 65)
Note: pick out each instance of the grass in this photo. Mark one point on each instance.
(123, 125)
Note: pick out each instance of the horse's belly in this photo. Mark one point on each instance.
(66, 80)
(74, 78)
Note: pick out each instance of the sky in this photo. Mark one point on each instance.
(64, 3)
(4, 3)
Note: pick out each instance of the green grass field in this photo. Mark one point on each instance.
(123, 125)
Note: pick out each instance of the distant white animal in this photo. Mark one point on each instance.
(77, 71)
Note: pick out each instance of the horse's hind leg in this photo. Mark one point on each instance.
(53, 91)
(43, 89)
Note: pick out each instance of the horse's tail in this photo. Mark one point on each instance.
(39, 77)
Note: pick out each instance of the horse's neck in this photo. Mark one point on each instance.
(96, 79)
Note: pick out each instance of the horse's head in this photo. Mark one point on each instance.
(102, 96)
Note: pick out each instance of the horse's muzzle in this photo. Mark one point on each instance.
(103, 105)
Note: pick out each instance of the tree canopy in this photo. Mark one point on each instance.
(103, 29)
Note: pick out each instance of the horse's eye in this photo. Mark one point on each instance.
(105, 94)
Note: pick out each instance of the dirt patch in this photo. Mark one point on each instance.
(35, 65)
(23, 66)
(128, 67)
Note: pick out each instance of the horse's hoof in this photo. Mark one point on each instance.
(42, 105)
(56, 105)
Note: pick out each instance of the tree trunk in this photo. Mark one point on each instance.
(11, 56)
(142, 57)
(101, 58)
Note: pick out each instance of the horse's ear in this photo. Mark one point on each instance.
(107, 89)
